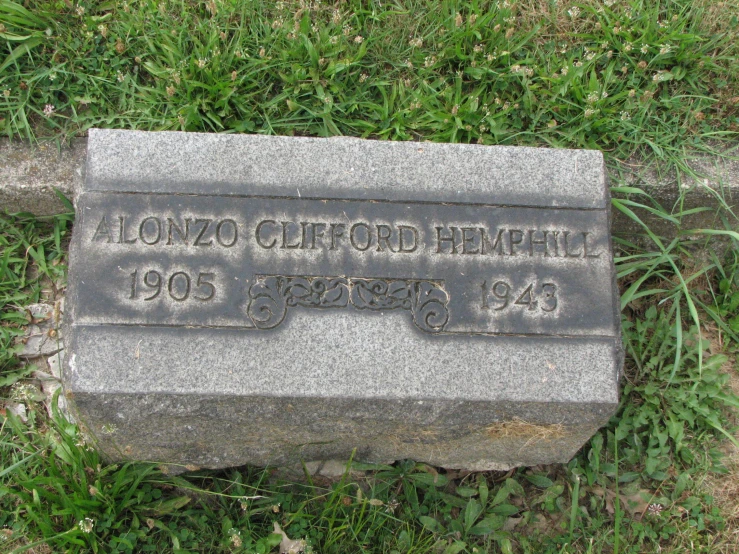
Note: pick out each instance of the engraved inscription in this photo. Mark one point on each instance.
(179, 286)
(501, 295)
(514, 242)
(152, 230)
(270, 296)
(390, 237)
(245, 262)
(312, 235)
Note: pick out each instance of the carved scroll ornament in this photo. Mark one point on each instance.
(271, 295)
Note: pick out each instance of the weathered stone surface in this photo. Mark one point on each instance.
(29, 175)
(265, 300)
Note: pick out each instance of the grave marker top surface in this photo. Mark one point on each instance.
(341, 167)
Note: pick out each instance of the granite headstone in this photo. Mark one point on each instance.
(243, 299)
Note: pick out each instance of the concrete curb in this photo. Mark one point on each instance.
(714, 186)
(30, 174)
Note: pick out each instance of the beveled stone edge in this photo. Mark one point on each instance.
(343, 168)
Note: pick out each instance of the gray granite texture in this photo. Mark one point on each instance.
(197, 163)
(264, 300)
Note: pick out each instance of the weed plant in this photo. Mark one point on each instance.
(725, 305)
(31, 259)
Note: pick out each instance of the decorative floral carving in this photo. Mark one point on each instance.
(377, 294)
(267, 304)
(430, 311)
(270, 296)
(317, 291)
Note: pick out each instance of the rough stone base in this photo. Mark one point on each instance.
(216, 432)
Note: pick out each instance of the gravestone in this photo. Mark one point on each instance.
(272, 300)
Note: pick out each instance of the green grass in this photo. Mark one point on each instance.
(653, 77)
(31, 260)
(441, 71)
